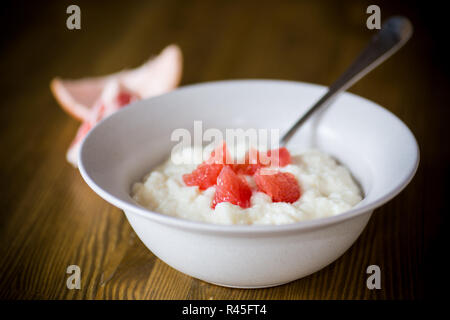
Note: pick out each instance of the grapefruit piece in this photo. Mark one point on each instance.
(204, 176)
(231, 188)
(158, 75)
(220, 155)
(207, 172)
(280, 186)
(252, 162)
(283, 158)
(255, 160)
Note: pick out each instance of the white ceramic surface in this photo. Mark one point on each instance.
(379, 149)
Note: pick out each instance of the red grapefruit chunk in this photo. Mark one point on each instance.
(206, 173)
(124, 98)
(252, 162)
(204, 176)
(232, 188)
(220, 155)
(280, 186)
(114, 97)
(255, 160)
(283, 158)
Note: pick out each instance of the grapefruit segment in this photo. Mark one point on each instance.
(281, 157)
(158, 75)
(92, 99)
(204, 176)
(252, 162)
(113, 97)
(280, 186)
(220, 155)
(77, 97)
(231, 188)
(255, 160)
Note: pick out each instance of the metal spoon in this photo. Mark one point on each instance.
(394, 33)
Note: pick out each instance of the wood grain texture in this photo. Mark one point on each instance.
(51, 219)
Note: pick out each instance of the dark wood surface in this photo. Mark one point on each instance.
(51, 219)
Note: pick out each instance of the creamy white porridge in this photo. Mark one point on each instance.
(327, 189)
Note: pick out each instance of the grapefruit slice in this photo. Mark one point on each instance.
(280, 186)
(113, 97)
(231, 188)
(156, 76)
(252, 163)
(92, 99)
(220, 155)
(254, 160)
(204, 176)
(281, 156)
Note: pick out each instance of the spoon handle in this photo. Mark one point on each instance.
(394, 33)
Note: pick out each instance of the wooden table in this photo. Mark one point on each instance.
(51, 219)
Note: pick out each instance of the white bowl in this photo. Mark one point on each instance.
(379, 149)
